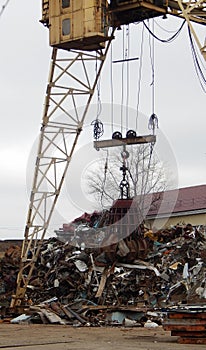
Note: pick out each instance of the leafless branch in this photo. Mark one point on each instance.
(145, 175)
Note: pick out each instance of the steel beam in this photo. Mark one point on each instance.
(125, 141)
(70, 84)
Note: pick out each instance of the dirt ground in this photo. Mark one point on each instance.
(50, 337)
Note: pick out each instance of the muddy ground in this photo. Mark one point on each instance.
(50, 337)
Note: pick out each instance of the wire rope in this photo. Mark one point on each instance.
(112, 90)
(98, 127)
(139, 76)
(198, 69)
(105, 178)
(151, 47)
(153, 120)
(99, 104)
(122, 76)
(173, 37)
(164, 29)
(127, 54)
(4, 7)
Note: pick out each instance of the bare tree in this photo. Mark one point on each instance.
(144, 174)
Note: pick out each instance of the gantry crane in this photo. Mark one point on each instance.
(80, 33)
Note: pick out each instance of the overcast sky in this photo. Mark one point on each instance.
(25, 56)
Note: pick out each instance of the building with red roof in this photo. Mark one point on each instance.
(180, 206)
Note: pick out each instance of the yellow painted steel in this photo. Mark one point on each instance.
(76, 24)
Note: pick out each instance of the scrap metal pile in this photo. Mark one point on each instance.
(86, 284)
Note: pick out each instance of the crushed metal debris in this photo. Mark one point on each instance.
(112, 285)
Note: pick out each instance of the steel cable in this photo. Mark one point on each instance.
(173, 37)
(4, 7)
(198, 69)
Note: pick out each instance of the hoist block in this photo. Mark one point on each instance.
(125, 141)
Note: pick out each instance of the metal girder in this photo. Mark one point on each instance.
(188, 11)
(138, 10)
(125, 141)
(71, 84)
(193, 11)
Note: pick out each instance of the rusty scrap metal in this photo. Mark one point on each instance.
(188, 323)
(173, 272)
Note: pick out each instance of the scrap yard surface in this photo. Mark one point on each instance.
(30, 337)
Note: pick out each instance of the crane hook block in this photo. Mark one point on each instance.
(125, 154)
